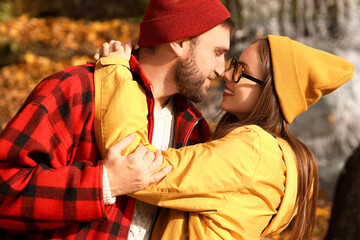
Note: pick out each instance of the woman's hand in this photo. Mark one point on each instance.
(115, 48)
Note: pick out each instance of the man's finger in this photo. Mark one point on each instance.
(149, 156)
(156, 163)
(105, 49)
(123, 143)
(160, 175)
(117, 45)
(97, 56)
(112, 46)
(140, 151)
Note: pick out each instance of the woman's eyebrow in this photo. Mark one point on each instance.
(246, 65)
(243, 63)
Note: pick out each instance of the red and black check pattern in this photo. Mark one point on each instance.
(50, 173)
(50, 167)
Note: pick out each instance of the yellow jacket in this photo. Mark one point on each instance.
(242, 186)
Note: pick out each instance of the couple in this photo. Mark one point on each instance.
(253, 176)
(53, 184)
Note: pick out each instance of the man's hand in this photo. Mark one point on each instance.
(128, 174)
(115, 48)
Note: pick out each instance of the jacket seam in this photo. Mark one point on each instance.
(257, 164)
(250, 179)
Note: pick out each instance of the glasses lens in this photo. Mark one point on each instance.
(237, 72)
(232, 63)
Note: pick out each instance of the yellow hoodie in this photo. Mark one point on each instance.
(242, 186)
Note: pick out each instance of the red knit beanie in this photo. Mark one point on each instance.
(171, 20)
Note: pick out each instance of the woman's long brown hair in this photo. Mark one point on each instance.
(267, 114)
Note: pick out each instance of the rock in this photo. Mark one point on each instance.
(345, 218)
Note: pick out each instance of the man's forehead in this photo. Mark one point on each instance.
(218, 37)
(219, 29)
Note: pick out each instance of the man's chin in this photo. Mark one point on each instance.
(199, 97)
(196, 94)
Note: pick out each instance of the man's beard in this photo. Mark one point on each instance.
(189, 79)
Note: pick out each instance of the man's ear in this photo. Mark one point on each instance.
(180, 47)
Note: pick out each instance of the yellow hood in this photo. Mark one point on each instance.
(287, 208)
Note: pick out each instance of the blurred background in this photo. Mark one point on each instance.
(40, 37)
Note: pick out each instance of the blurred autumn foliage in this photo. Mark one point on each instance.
(33, 48)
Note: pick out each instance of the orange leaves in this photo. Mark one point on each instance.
(47, 45)
(63, 33)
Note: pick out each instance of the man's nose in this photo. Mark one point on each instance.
(220, 75)
(220, 67)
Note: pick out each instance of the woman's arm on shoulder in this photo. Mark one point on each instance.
(208, 172)
(120, 103)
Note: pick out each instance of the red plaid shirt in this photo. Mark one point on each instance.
(50, 167)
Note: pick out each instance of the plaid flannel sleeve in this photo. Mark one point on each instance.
(49, 174)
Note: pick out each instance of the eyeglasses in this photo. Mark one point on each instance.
(239, 72)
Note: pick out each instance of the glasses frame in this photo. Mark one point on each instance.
(233, 64)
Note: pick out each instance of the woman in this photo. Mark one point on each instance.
(254, 175)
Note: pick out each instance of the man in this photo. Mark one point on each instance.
(53, 183)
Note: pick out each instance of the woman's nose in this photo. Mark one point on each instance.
(228, 75)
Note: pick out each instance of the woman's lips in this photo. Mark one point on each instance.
(228, 92)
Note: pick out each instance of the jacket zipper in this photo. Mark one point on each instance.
(191, 130)
(151, 111)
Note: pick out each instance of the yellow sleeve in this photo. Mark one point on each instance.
(120, 105)
(229, 188)
(205, 176)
